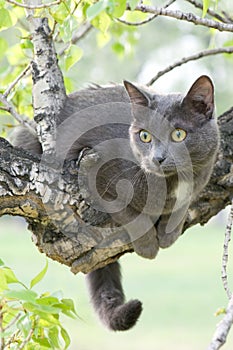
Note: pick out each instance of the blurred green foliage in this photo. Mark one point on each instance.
(30, 321)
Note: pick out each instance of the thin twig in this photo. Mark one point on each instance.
(197, 56)
(20, 76)
(10, 109)
(15, 319)
(229, 18)
(188, 17)
(27, 339)
(225, 325)
(209, 11)
(2, 339)
(223, 328)
(34, 7)
(12, 339)
(76, 37)
(135, 24)
(225, 252)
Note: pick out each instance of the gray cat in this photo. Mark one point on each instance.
(167, 149)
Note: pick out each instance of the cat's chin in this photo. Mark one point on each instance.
(154, 170)
(158, 171)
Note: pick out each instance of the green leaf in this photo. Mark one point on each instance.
(40, 276)
(118, 8)
(95, 9)
(102, 22)
(206, 4)
(69, 305)
(65, 337)
(41, 309)
(74, 54)
(48, 320)
(67, 28)
(102, 38)
(53, 337)
(47, 300)
(26, 44)
(5, 19)
(67, 308)
(43, 344)
(119, 49)
(3, 281)
(10, 276)
(24, 324)
(1, 262)
(133, 4)
(60, 12)
(3, 47)
(25, 295)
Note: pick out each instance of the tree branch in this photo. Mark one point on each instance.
(223, 328)
(196, 56)
(187, 17)
(225, 252)
(34, 7)
(17, 79)
(209, 11)
(169, 3)
(10, 109)
(71, 231)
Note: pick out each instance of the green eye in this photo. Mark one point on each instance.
(145, 136)
(178, 135)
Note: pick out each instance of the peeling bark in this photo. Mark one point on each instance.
(48, 86)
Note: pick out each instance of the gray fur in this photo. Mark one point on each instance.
(170, 174)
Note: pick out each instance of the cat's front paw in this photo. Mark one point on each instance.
(87, 158)
(147, 246)
(167, 239)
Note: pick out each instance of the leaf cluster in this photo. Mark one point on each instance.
(29, 320)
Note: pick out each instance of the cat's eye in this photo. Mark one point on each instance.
(178, 135)
(145, 136)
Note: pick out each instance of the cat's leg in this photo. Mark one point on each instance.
(108, 298)
(141, 230)
(147, 245)
(166, 239)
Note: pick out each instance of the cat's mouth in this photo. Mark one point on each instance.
(159, 170)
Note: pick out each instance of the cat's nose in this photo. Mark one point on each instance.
(159, 159)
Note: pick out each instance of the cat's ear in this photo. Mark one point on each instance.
(136, 95)
(200, 98)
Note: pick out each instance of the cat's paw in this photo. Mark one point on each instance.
(88, 158)
(167, 239)
(147, 246)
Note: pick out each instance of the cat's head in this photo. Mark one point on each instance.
(173, 132)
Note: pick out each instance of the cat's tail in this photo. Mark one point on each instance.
(108, 298)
